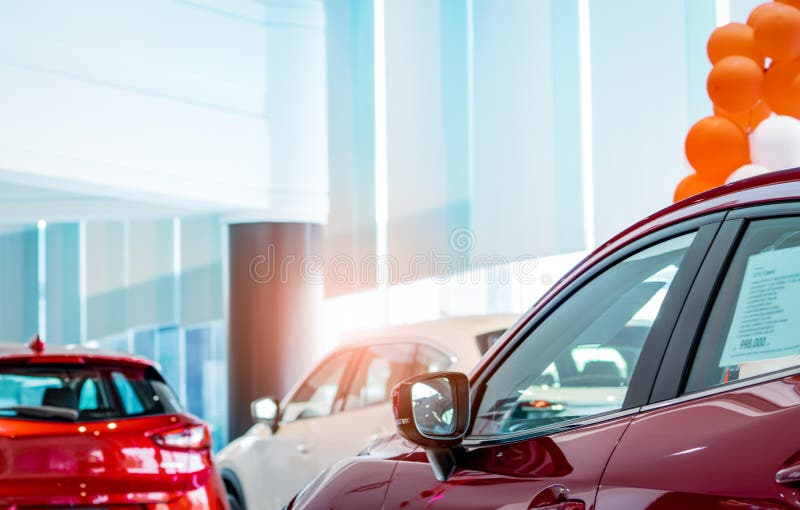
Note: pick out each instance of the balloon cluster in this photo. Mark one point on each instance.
(755, 87)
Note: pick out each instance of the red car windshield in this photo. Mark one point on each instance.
(79, 393)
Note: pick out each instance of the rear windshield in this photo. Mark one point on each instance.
(79, 393)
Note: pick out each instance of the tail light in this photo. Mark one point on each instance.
(184, 437)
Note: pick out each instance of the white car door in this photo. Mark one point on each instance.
(269, 467)
(287, 460)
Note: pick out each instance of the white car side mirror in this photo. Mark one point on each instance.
(266, 410)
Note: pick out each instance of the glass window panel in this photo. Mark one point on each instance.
(753, 324)
(167, 346)
(206, 378)
(315, 397)
(578, 361)
(380, 369)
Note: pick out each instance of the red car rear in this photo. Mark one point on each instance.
(82, 429)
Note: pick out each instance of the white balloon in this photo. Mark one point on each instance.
(747, 171)
(775, 144)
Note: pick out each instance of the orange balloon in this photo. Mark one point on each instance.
(782, 87)
(777, 31)
(748, 120)
(756, 13)
(735, 84)
(731, 40)
(692, 185)
(793, 3)
(715, 147)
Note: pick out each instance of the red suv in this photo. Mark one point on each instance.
(663, 372)
(86, 430)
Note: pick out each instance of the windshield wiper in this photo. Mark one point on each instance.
(61, 413)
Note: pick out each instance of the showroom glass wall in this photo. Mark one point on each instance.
(150, 287)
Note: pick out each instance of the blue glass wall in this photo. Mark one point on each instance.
(148, 287)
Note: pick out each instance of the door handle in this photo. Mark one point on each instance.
(555, 497)
(566, 505)
(788, 475)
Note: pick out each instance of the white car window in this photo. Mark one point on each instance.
(315, 397)
(754, 322)
(380, 369)
(579, 360)
(430, 359)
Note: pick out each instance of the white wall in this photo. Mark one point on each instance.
(171, 102)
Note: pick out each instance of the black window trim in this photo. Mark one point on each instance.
(356, 355)
(674, 372)
(656, 343)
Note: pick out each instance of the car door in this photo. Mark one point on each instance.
(550, 406)
(721, 429)
(287, 460)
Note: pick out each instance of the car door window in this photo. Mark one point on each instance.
(380, 369)
(430, 359)
(753, 325)
(579, 360)
(315, 397)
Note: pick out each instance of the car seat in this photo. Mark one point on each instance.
(60, 397)
(601, 373)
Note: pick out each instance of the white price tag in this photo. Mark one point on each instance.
(766, 322)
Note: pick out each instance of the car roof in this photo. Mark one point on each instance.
(471, 325)
(70, 354)
(455, 335)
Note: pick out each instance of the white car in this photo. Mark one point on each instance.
(342, 406)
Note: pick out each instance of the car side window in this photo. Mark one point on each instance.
(380, 369)
(753, 325)
(316, 396)
(430, 359)
(579, 360)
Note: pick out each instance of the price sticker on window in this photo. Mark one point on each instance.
(766, 322)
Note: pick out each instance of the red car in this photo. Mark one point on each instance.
(663, 372)
(82, 429)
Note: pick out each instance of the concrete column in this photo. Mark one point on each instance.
(275, 297)
(275, 291)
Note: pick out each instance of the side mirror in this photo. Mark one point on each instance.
(266, 410)
(432, 410)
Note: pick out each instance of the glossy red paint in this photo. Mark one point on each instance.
(514, 475)
(356, 483)
(667, 461)
(18, 353)
(102, 464)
